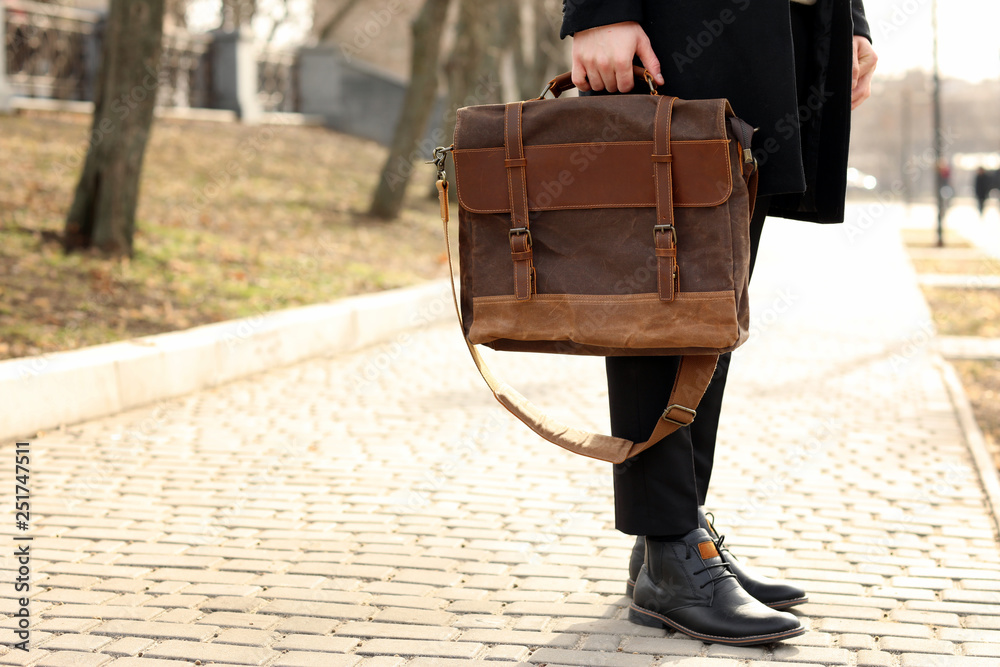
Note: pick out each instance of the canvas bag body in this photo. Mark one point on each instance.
(593, 196)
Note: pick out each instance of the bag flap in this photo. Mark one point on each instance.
(601, 160)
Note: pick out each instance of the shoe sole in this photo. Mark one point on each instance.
(780, 604)
(641, 616)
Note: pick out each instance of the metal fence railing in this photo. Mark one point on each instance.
(54, 52)
(278, 81)
(51, 50)
(185, 70)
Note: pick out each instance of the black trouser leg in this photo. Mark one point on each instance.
(658, 491)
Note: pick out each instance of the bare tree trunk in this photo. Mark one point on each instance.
(103, 210)
(237, 13)
(324, 32)
(548, 55)
(466, 66)
(417, 106)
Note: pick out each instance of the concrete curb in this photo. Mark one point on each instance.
(48, 391)
(988, 474)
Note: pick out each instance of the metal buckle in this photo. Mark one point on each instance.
(665, 228)
(517, 231)
(649, 80)
(440, 156)
(679, 407)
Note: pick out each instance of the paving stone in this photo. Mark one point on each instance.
(147, 662)
(911, 645)
(589, 658)
(179, 616)
(306, 625)
(850, 641)
(981, 649)
(22, 658)
(521, 637)
(507, 653)
(415, 616)
(245, 637)
(396, 631)
(155, 630)
(74, 659)
(681, 661)
(221, 653)
(75, 642)
(419, 647)
(227, 619)
(316, 609)
(875, 628)
(305, 659)
(925, 660)
(127, 646)
(382, 661)
(814, 654)
(314, 643)
(77, 625)
(875, 659)
(101, 611)
(662, 645)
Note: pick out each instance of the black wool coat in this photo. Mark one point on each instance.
(798, 96)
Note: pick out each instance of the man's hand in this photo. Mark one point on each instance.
(864, 68)
(602, 57)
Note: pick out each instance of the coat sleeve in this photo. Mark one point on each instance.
(582, 14)
(860, 21)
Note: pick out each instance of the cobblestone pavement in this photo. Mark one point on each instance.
(380, 509)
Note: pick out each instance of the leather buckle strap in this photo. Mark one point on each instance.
(687, 415)
(517, 189)
(664, 233)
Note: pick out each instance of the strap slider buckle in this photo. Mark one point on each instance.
(517, 231)
(682, 409)
(658, 229)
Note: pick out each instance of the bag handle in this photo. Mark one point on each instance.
(564, 82)
(693, 377)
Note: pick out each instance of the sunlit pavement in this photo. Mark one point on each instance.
(379, 509)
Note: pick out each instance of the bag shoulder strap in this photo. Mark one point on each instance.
(692, 380)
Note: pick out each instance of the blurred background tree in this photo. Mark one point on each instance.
(493, 51)
(102, 215)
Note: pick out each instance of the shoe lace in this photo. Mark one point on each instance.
(716, 576)
(711, 524)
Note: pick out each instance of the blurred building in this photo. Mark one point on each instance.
(892, 135)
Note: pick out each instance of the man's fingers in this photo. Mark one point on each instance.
(855, 65)
(580, 77)
(625, 77)
(608, 76)
(596, 80)
(649, 60)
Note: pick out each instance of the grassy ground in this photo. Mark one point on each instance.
(965, 312)
(232, 221)
(981, 380)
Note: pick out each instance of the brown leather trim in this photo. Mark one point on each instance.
(694, 320)
(567, 176)
(707, 550)
(517, 189)
(666, 253)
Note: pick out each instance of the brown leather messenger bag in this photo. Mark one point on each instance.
(603, 225)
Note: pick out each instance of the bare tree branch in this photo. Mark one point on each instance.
(326, 31)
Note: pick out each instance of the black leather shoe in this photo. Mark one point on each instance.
(686, 586)
(774, 594)
(635, 563)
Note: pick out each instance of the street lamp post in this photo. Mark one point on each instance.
(938, 151)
